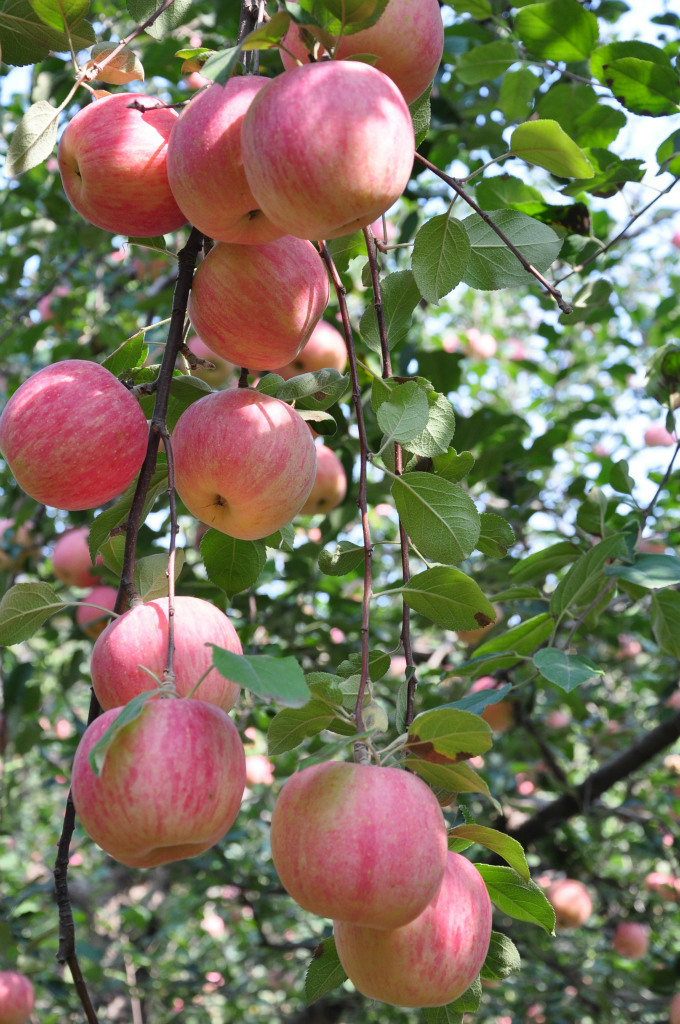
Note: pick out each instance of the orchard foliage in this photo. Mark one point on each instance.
(513, 329)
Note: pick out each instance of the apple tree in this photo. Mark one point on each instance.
(339, 364)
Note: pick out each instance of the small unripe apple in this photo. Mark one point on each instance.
(16, 998)
(500, 717)
(327, 148)
(244, 462)
(71, 561)
(359, 843)
(433, 959)
(330, 483)
(171, 785)
(139, 637)
(73, 436)
(93, 621)
(631, 939)
(571, 902)
(112, 160)
(325, 349)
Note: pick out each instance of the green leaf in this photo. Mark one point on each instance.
(557, 30)
(441, 250)
(175, 15)
(547, 145)
(451, 778)
(112, 552)
(112, 517)
(404, 415)
(566, 670)
(33, 139)
(269, 35)
(469, 1001)
(496, 536)
(322, 422)
(448, 597)
(640, 76)
(277, 679)
(26, 39)
(481, 64)
(577, 586)
(231, 564)
(151, 575)
(516, 94)
(446, 736)
(342, 560)
(400, 295)
(325, 972)
(454, 466)
(60, 13)
(441, 519)
(23, 609)
(221, 66)
(317, 390)
(668, 155)
(291, 726)
(129, 713)
(505, 190)
(665, 619)
(346, 248)
(502, 959)
(651, 571)
(525, 901)
(420, 116)
(541, 563)
(492, 265)
(153, 242)
(441, 424)
(478, 9)
(443, 1014)
(506, 847)
(480, 699)
(522, 639)
(356, 15)
(128, 355)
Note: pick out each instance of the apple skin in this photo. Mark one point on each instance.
(92, 621)
(224, 373)
(71, 561)
(205, 167)
(631, 939)
(433, 959)
(359, 843)
(571, 902)
(16, 998)
(330, 483)
(656, 436)
(327, 148)
(499, 717)
(325, 349)
(408, 40)
(113, 166)
(171, 785)
(254, 333)
(73, 436)
(674, 1008)
(140, 637)
(244, 462)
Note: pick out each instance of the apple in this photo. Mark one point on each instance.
(259, 770)
(112, 160)
(631, 939)
(408, 40)
(73, 436)
(140, 637)
(228, 310)
(224, 373)
(675, 240)
(244, 462)
(44, 305)
(93, 621)
(195, 80)
(499, 717)
(663, 884)
(483, 346)
(571, 902)
(13, 543)
(16, 998)
(171, 785)
(674, 1008)
(330, 483)
(205, 166)
(656, 436)
(359, 843)
(327, 148)
(71, 561)
(325, 349)
(433, 959)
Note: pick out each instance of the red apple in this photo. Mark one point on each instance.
(71, 561)
(408, 40)
(224, 373)
(140, 637)
(244, 462)
(255, 333)
(16, 998)
(93, 621)
(327, 148)
(325, 349)
(171, 785)
(330, 483)
(195, 80)
(359, 843)
(72, 435)
(631, 939)
(112, 160)
(205, 167)
(500, 716)
(674, 1008)
(433, 959)
(656, 436)
(571, 902)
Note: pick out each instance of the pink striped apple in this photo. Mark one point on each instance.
(325, 349)
(330, 483)
(16, 998)
(71, 560)
(93, 621)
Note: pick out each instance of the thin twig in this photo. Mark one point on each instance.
(169, 673)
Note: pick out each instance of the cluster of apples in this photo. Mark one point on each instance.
(367, 847)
